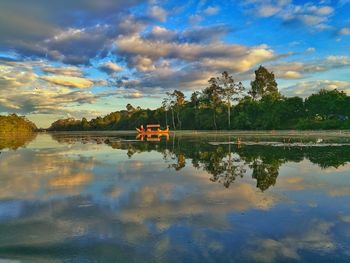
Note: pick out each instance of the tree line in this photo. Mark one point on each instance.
(226, 104)
(14, 124)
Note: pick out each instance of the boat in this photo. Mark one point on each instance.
(152, 129)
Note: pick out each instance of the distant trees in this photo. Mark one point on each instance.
(14, 124)
(222, 105)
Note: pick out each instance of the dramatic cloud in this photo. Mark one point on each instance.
(175, 55)
(55, 30)
(149, 47)
(24, 91)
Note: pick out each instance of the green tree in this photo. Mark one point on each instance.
(264, 84)
(130, 108)
(166, 107)
(212, 96)
(230, 91)
(179, 102)
(327, 104)
(171, 102)
(195, 99)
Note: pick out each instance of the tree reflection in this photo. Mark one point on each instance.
(226, 162)
(265, 173)
(16, 141)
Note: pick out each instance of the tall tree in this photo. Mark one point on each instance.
(171, 104)
(230, 91)
(166, 106)
(195, 102)
(130, 108)
(264, 84)
(212, 95)
(179, 102)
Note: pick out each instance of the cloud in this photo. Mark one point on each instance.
(296, 70)
(68, 71)
(211, 10)
(307, 88)
(157, 13)
(24, 91)
(315, 16)
(110, 67)
(291, 75)
(196, 34)
(213, 54)
(67, 31)
(69, 81)
(195, 19)
(345, 31)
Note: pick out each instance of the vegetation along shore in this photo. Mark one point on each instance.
(224, 105)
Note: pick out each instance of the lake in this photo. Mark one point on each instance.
(192, 197)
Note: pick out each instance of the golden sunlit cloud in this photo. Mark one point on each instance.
(69, 81)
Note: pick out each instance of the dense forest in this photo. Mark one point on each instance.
(226, 105)
(14, 125)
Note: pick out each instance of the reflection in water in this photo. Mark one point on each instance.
(16, 141)
(152, 137)
(93, 198)
(226, 162)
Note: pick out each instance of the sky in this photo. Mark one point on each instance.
(61, 59)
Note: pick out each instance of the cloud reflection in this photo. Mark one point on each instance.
(91, 199)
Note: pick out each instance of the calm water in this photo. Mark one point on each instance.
(99, 198)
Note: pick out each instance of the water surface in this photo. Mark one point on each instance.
(111, 198)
